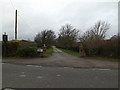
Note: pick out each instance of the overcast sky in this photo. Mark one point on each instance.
(37, 15)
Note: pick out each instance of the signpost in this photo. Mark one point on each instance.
(4, 44)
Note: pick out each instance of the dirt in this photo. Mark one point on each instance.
(62, 59)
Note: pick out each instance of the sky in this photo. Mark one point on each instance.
(37, 15)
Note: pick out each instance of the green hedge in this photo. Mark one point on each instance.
(27, 51)
(12, 47)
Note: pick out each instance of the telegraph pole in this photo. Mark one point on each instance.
(16, 25)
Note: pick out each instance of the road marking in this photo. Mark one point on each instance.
(101, 69)
(39, 77)
(8, 89)
(22, 75)
(38, 66)
(58, 75)
(33, 66)
(29, 65)
(104, 69)
(64, 67)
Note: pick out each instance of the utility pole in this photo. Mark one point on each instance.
(16, 25)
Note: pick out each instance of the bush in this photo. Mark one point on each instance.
(25, 43)
(12, 54)
(106, 48)
(12, 46)
(27, 51)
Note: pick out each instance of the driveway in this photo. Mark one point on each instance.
(62, 59)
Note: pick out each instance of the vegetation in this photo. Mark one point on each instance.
(70, 40)
(70, 52)
(93, 58)
(24, 43)
(49, 52)
(67, 38)
(14, 41)
(7, 57)
(46, 37)
(27, 51)
(12, 47)
(93, 40)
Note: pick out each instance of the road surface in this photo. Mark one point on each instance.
(33, 76)
(61, 70)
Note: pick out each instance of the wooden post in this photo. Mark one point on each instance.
(16, 25)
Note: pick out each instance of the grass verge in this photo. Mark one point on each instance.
(7, 57)
(49, 52)
(93, 58)
(70, 52)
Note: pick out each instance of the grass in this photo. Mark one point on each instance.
(93, 58)
(70, 52)
(49, 52)
(14, 41)
(7, 57)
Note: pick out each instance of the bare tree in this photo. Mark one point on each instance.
(67, 36)
(92, 38)
(45, 37)
(86, 36)
(99, 29)
(97, 32)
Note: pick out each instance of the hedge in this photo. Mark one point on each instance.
(27, 51)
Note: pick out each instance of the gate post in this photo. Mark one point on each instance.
(81, 51)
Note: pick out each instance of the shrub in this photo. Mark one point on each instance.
(107, 48)
(12, 46)
(12, 54)
(25, 43)
(27, 51)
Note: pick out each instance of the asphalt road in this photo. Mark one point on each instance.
(0, 74)
(34, 76)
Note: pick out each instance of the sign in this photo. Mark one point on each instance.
(39, 50)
